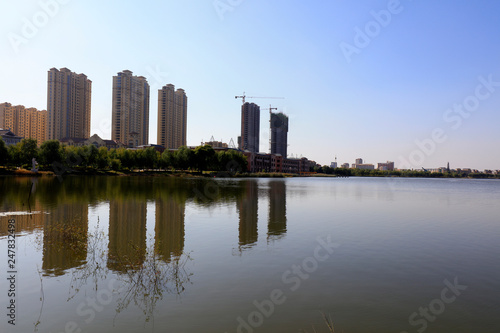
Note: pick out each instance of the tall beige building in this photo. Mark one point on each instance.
(3, 106)
(24, 122)
(130, 115)
(68, 104)
(172, 117)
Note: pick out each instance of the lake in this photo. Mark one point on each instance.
(165, 254)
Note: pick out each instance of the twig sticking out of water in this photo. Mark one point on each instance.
(42, 299)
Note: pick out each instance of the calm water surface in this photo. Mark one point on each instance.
(154, 254)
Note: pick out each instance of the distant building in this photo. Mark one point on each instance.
(345, 166)
(27, 123)
(387, 166)
(68, 104)
(360, 165)
(3, 106)
(363, 166)
(333, 165)
(215, 144)
(250, 127)
(279, 133)
(259, 162)
(158, 148)
(9, 137)
(172, 117)
(93, 140)
(130, 114)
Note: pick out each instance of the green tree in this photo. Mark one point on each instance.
(151, 157)
(115, 164)
(92, 156)
(183, 158)
(72, 157)
(4, 153)
(204, 158)
(237, 162)
(327, 170)
(126, 157)
(28, 150)
(51, 152)
(166, 159)
(102, 158)
(14, 154)
(83, 154)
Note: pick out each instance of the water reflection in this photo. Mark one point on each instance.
(169, 227)
(399, 242)
(64, 207)
(247, 206)
(65, 238)
(127, 234)
(277, 210)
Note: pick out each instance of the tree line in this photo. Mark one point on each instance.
(343, 172)
(52, 155)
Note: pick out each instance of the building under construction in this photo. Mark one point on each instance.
(279, 133)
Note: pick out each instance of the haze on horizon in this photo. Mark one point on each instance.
(414, 82)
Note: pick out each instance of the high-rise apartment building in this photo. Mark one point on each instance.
(3, 106)
(279, 133)
(130, 115)
(68, 104)
(27, 123)
(172, 117)
(250, 127)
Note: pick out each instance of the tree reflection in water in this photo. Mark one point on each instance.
(141, 282)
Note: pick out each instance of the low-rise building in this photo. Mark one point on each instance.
(93, 140)
(360, 165)
(260, 162)
(158, 148)
(215, 144)
(9, 137)
(363, 166)
(387, 166)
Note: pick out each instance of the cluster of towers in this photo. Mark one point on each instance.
(68, 114)
(69, 105)
(250, 130)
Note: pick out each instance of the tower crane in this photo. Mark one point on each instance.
(270, 109)
(243, 97)
(270, 124)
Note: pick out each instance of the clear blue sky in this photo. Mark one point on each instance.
(396, 88)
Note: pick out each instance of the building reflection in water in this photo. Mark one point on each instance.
(27, 221)
(127, 233)
(65, 237)
(277, 210)
(19, 199)
(247, 206)
(169, 228)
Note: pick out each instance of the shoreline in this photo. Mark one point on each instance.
(220, 174)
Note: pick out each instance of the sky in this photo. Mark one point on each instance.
(416, 82)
